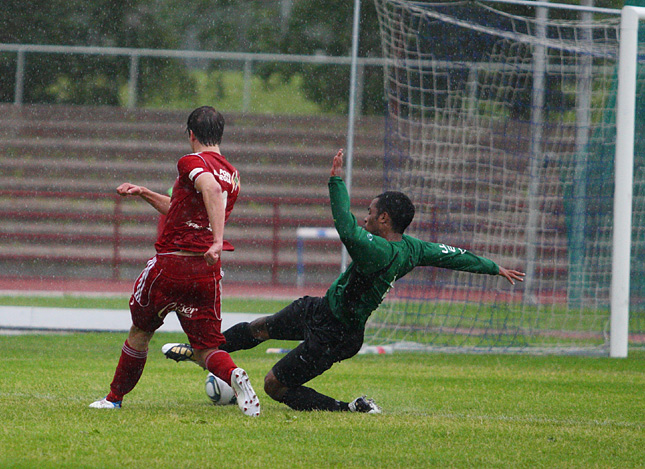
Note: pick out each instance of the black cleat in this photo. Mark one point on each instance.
(364, 405)
(178, 352)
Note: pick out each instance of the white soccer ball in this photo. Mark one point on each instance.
(218, 391)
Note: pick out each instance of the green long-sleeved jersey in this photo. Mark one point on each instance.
(378, 263)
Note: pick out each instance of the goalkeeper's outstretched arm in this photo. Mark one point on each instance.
(509, 274)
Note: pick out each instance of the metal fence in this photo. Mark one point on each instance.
(247, 60)
(101, 236)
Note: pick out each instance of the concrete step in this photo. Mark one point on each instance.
(91, 150)
(170, 132)
(280, 174)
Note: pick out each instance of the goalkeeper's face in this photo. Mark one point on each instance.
(373, 220)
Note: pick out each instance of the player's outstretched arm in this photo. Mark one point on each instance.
(160, 202)
(511, 275)
(337, 164)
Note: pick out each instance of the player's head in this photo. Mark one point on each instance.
(207, 124)
(398, 207)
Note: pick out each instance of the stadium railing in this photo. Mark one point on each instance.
(102, 235)
(134, 55)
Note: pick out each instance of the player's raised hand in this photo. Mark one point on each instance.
(337, 165)
(511, 275)
(126, 189)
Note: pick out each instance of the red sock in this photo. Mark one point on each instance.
(220, 364)
(127, 373)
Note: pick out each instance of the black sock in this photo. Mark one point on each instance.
(304, 398)
(239, 337)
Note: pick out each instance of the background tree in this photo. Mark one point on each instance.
(76, 79)
(325, 27)
(286, 26)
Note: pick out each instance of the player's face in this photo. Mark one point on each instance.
(371, 220)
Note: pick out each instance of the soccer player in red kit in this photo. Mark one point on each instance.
(184, 276)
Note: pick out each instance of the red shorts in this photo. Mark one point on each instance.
(186, 285)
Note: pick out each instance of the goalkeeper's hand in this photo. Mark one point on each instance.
(511, 275)
(337, 165)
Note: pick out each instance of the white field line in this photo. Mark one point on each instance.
(31, 318)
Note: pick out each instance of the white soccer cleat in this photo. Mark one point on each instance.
(364, 405)
(105, 404)
(247, 400)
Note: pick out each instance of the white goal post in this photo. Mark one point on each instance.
(623, 203)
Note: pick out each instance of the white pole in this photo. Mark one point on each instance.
(133, 81)
(536, 154)
(583, 124)
(622, 232)
(20, 78)
(349, 151)
(246, 93)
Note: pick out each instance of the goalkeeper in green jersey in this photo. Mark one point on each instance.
(331, 328)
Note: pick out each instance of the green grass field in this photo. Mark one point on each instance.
(439, 410)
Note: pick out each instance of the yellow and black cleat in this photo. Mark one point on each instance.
(178, 352)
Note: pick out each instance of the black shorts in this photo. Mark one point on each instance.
(325, 340)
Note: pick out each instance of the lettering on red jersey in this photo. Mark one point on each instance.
(187, 225)
(224, 176)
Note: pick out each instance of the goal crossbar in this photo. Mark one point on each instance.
(562, 6)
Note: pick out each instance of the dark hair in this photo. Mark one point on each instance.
(207, 124)
(398, 206)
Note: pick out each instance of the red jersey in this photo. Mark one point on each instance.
(187, 227)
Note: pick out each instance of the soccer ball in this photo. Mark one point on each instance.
(218, 391)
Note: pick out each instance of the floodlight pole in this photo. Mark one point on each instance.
(349, 151)
(624, 174)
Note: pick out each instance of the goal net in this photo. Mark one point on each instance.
(501, 128)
